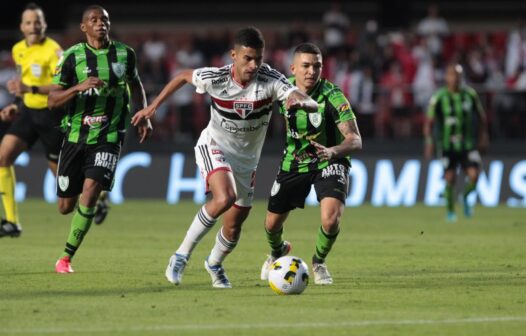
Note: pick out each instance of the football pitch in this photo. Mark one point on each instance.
(397, 271)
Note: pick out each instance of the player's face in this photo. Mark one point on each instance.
(246, 63)
(96, 24)
(33, 25)
(453, 76)
(307, 70)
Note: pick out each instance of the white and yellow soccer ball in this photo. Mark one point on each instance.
(288, 275)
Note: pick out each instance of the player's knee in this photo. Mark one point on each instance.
(225, 200)
(331, 221)
(65, 208)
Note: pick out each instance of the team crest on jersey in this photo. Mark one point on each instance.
(275, 188)
(243, 108)
(118, 69)
(63, 182)
(315, 119)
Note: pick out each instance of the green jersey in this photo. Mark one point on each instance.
(101, 115)
(333, 108)
(456, 115)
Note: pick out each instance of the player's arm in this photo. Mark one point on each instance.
(59, 95)
(138, 98)
(483, 136)
(427, 129)
(300, 100)
(175, 84)
(352, 142)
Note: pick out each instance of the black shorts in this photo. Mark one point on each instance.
(464, 159)
(32, 124)
(80, 161)
(290, 189)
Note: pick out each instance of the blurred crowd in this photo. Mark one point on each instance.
(388, 76)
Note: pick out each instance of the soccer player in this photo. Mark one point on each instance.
(229, 148)
(36, 57)
(316, 153)
(457, 118)
(92, 79)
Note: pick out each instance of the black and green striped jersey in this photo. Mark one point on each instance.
(97, 115)
(333, 108)
(455, 116)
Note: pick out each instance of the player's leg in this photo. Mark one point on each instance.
(217, 173)
(228, 236)
(86, 171)
(226, 241)
(287, 193)
(450, 177)
(471, 164)
(80, 223)
(331, 185)
(10, 148)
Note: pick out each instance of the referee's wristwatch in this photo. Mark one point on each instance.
(34, 89)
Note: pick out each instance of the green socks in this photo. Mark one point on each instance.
(449, 196)
(80, 225)
(275, 240)
(469, 187)
(324, 244)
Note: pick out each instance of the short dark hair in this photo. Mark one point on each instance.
(90, 8)
(32, 6)
(307, 48)
(249, 37)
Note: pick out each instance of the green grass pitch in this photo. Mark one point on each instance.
(397, 271)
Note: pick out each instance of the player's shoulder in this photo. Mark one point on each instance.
(471, 91)
(442, 91)
(75, 49)
(328, 88)
(122, 47)
(266, 72)
(213, 73)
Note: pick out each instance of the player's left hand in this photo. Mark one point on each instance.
(144, 128)
(324, 153)
(293, 104)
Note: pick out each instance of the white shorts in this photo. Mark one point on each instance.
(210, 158)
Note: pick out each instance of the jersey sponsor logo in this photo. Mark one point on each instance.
(335, 169)
(219, 81)
(315, 119)
(216, 152)
(106, 160)
(345, 107)
(233, 128)
(450, 121)
(243, 108)
(63, 182)
(275, 188)
(94, 121)
(118, 69)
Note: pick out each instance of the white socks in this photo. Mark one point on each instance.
(221, 249)
(200, 226)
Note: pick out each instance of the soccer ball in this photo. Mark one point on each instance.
(288, 275)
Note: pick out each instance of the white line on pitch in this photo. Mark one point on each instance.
(343, 324)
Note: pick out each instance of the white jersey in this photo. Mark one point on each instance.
(240, 114)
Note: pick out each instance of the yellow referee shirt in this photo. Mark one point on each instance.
(36, 65)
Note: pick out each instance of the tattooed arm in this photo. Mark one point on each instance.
(299, 100)
(352, 142)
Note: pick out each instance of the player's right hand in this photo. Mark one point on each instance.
(8, 113)
(90, 83)
(144, 114)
